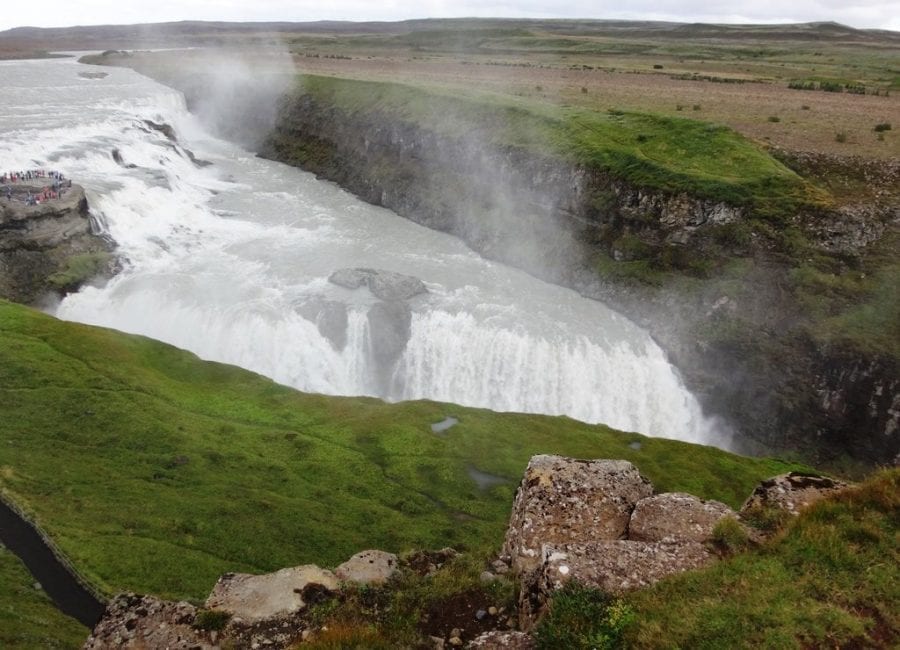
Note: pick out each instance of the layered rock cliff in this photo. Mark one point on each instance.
(52, 247)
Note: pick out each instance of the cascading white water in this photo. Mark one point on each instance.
(225, 260)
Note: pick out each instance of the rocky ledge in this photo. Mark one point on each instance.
(595, 522)
(51, 247)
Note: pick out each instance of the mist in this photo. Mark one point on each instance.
(235, 92)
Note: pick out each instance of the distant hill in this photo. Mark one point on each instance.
(205, 33)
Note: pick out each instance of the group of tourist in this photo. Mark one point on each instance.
(55, 190)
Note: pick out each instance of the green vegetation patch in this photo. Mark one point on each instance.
(156, 472)
(830, 579)
(652, 151)
(28, 618)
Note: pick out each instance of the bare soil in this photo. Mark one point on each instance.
(745, 107)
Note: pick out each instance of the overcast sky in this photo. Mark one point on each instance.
(60, 13)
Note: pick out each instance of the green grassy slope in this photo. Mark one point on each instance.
(155, 471)
(28, 618)
(830, 579)
(652, 151)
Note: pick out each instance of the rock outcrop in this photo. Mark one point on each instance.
(52, 247)
(791, 492)
(597, 522)
(242, 611)
(133, 621)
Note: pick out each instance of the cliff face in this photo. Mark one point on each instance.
(50, 247)
(745, 358)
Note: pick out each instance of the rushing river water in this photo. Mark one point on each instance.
(227, 260)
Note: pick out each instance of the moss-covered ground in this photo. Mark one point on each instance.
(155, 471)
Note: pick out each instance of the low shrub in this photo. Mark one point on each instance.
(730, 536)
(840, 136)
(583, 618)
(774, 118)
(884, 126)
(211, 619)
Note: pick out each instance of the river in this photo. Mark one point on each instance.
(231, 261)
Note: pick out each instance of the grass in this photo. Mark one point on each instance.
(582, 618)
(156, 472)
(28, 618)
(651, 151)
(830, 579)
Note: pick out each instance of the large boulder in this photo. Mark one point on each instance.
(676, 517)
(384, 285)
(368, 568)
(566, 500)
(262, 597)
(791, 492)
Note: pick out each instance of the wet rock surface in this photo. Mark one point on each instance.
(389, 331)
(384, 285)
(330, 317)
